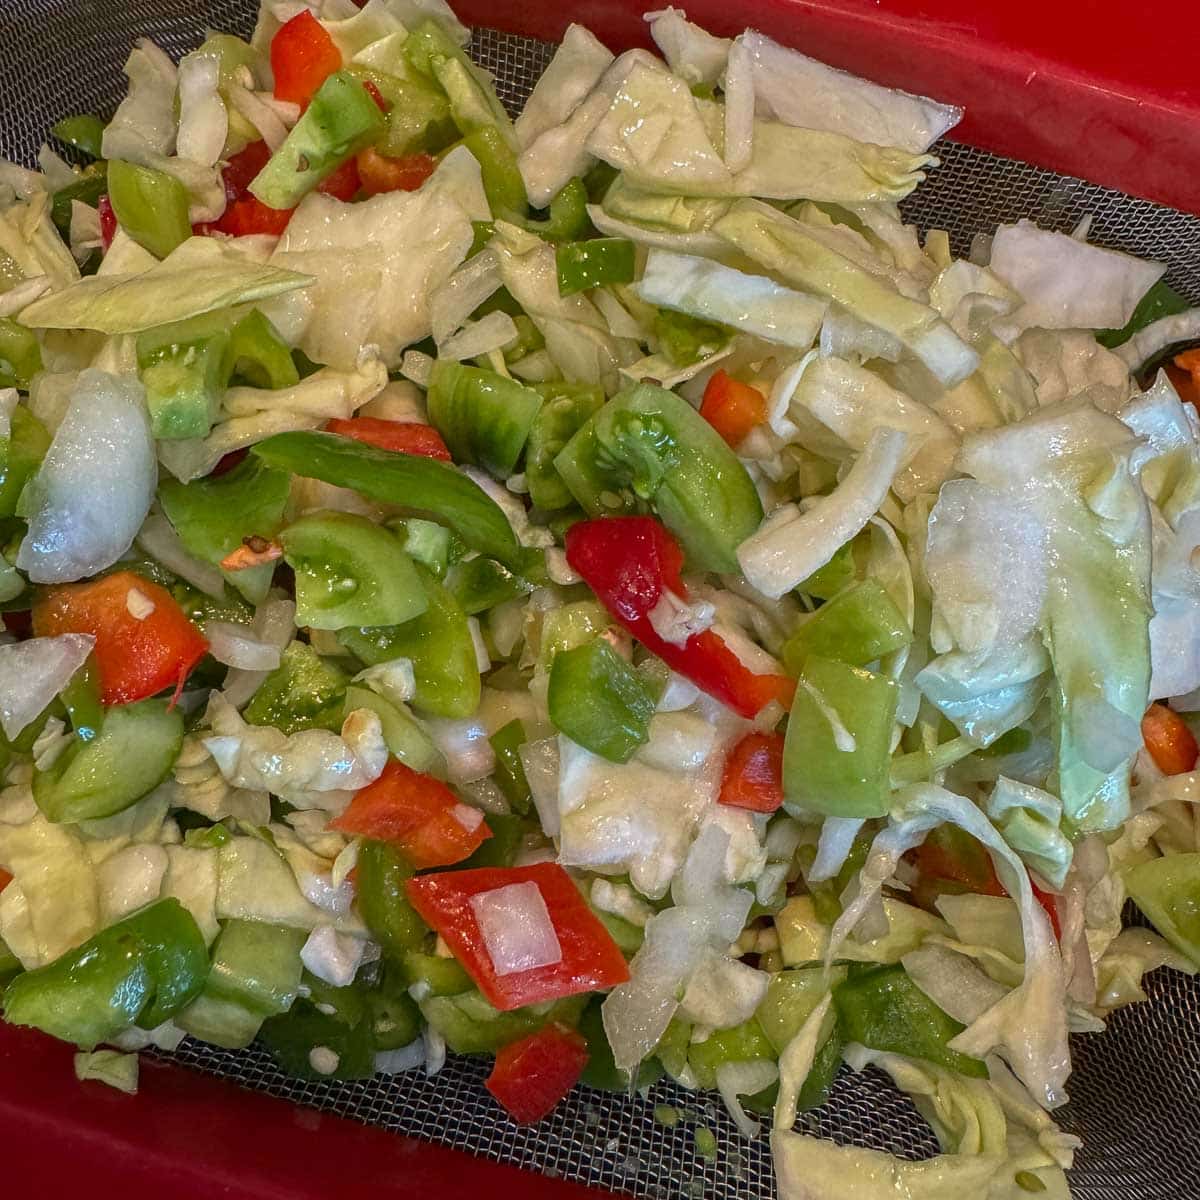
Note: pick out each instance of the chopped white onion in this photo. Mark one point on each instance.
(483, 660)
(417, 366)
(236, 646)
(260, 114)
(452, 303)
(540, 760)
(736, 1079)
(331, 956)
(469, 818)
(516, 928)
(158, 538)
(33, 672)
(407, 1058)
(468, 753)
(491, 332)
(435, 1051)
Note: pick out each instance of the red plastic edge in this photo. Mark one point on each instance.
(1092, 89)
(189, 1136)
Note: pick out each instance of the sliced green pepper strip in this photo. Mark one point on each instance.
(838, 573)
(260, 355)
(647, 446)
(838, 747)
(565, 409)
(87, 187)
(85, 133)
(441, 648)
(882, 1008)
(686, 340)
(383, 901)
(151, 206)
(442, 976)
(339, 121)
(502, 182)
(419, 121)
(133, 753)
(601, 1070)
(598, 700)
(422, 487)
(20, 355)
(214, 516)
(471, 1025)
(742, 1043)
(141, 970)
(595, 263)
(184, 370)
(1167, 890)
(305, 691)
(306, 1039)
(510, 771)
(350, 571)
(500, 850)
(402, 733)
(484, 417)
(567, 220)
(21, 454)
(481, 583)
(395, 1018)
(859, 626)
(81, 698)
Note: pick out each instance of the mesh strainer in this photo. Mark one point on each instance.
(1136, 1088)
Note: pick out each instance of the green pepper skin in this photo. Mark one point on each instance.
(260, 355)
(819, 775)
(595, 263)
(441, 648)
(859, 626)
(742, 1043)
(567, 407)
(471, 1025)
(648, 448)
(87, 187)
(484, 417)
(601, 1070)
(567, 218)
(305, 691)
(141, 970)
(383, 901)
(183, 368)
(339, 121)
(481, 583)
(83, 133)
(20, 455)
(421, 487)
(510, 771)
(350, 571)
(1167, 890)
(20, 355)
(443, 976)
(151, 206)
(133, 753)
(881, 1007)
(291, 1037)
(502, 181)
(598, 700)
(393, 1013)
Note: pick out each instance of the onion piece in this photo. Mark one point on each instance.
(468, 753)
(452, 303)
(407, 1058)
(158, 538)
(540, 760)
(476, 338)
(260, 114)
(33, 672)
(744, 1079)
(469, 818)
(236, 646)
(516, 928)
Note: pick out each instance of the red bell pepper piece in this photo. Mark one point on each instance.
(382, 174)
(590, 958)
(136, 657)
(377, 96)
(1184, 372)
(416, 813)
(732, 408)
(1168, 739)
(303, 56)
(531, 1076)
(753, 777)
(628, 562)
(343, 184)
(108, 221)
(403, 437)
(5, 879)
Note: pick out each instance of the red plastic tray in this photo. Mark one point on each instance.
(1087, 88)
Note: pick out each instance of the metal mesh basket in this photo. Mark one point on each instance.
(1136, 1088)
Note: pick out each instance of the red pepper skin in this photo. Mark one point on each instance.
(303, 56)
(134, 658)
(415, 812)
(376, 95)
(531, 1076)
(108, 221)
(403, 437)
(628, 562)
(343, 184)
(1169, 741)
(591, 960)
(732, 408)
(6, 879)
(753, 777)
(382, 174)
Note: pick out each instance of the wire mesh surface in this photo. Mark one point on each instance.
(1136, 1088)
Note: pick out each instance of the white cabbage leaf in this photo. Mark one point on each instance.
(576, 68)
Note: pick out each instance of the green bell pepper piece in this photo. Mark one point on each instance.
(566, 407)
(597, 699)
(484, 417)
(141, 970)
(405, 738)
(471, 1025)
(383, 901)
(481, 583)
(441, 648)
(567, 219)
(20, 355)
(510, 771)
(570, 626)
(1167, 890)
(790, 1000)
(422, 487)
(133, 753)
(1159, 301)
(672, 1048)
(87, 187)
(596, 263)
(305, 691)
(601, 1070)
(648, 446)
(502, 182)
(819, 1082)
(214, 516)
(442, 976)
(500, 850)
(838, 747)
(428, 543)
(81, 697)
(419, 121)
(859, 626)
(84, 133)
(742, 1043)
(882, 1008)
(686, 340)
(838, 573)
(395, 1018)
(340, 120)
(10, 964)
(259, 355)
(350, 571)
(255, 974)
(21, 454)
(151, 206)
(184, 370)
(292, 1038)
